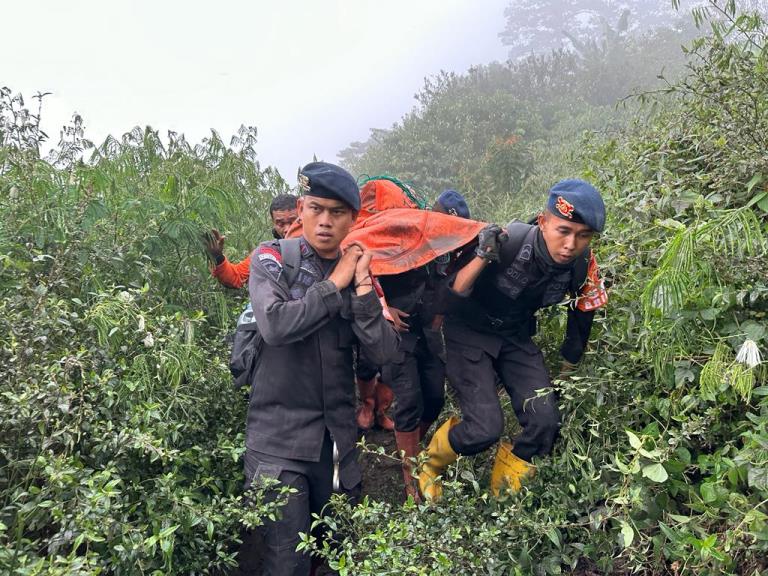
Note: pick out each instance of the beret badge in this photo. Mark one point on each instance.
(564, 207)
(304, 182)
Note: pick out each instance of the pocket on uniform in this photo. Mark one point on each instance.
(472, 353)
(263, 472)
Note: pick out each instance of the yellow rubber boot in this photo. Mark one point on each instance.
(509, 470)
(440, 455)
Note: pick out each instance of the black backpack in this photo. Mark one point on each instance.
(247, 342)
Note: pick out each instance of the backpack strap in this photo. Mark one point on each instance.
(516, 230)
(290, 250)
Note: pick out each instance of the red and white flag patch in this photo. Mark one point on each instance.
(593, 294)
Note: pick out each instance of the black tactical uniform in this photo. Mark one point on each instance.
(489, 326)
(488, 332)
(417, 375)
(301, 419)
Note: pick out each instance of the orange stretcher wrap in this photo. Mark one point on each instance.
(401, 236)
(402, 239)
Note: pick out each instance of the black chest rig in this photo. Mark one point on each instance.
(518, 270)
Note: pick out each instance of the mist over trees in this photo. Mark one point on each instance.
(489, 132)
(545, 25)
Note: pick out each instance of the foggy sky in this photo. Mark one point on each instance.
(313, 76)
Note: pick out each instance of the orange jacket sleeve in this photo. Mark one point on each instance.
(233, 275)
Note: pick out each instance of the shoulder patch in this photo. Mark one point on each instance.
(270, 258)
(269, 253)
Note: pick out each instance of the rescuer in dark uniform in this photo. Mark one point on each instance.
(301, 418)
(491, 304)
(417, 376)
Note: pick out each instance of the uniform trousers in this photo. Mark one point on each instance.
(313, 482)
(417, 378)
(473, 372)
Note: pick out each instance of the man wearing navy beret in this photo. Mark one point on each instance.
(491, 304)
(453, 203)
(301, 418)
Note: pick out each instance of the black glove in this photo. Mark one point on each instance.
(489, 242)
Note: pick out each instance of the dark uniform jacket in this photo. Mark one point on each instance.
(504, 299)
(304, 381)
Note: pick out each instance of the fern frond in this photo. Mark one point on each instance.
(734, 233)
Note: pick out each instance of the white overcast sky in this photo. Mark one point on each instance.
(312, 75)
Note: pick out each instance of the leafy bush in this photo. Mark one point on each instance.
(121, 435)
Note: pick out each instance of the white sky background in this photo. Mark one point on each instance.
(313, 76)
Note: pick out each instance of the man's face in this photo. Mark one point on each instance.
(326, 223)
(565, 240)
(282, 220)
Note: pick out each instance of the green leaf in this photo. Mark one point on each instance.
(655, 472)
(650, 454)
(668, 532)
(756, 179)
(753, 330)
(168, 531)
(763, 203)
(627, 534)
(554, 535)
(708, 492)
(683, 454)
(634, 441)
(709, 313)
(757, 477)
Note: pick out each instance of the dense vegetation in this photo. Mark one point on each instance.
(121, 437)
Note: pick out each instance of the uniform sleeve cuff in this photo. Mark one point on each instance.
(367, 304)
(330, 295)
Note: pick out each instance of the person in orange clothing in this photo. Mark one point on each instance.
(282, 212)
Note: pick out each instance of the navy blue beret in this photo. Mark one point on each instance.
(577, 201)
(454, 203)
(325, 180)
